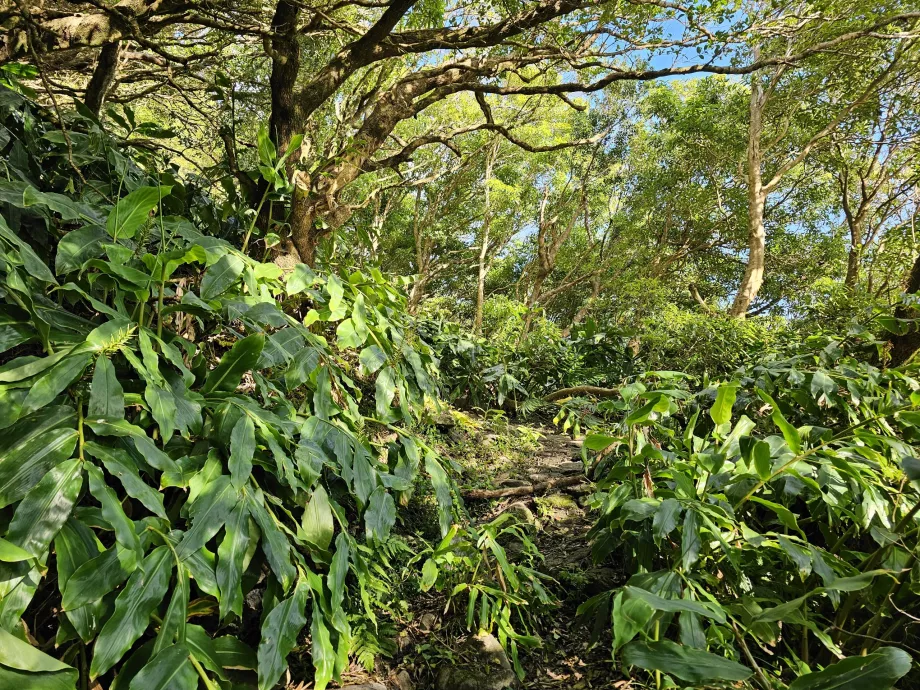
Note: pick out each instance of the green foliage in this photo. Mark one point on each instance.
(182, 421)
(768, 519)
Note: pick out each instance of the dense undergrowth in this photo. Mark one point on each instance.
(205, 457)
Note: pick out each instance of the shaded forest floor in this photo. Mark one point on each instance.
(492, 454)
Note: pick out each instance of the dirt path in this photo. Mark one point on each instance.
(495, 456)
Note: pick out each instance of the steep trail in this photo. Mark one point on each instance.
(496, 456)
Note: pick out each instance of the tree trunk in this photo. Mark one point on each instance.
(854, 258)
(484, 243)
(757, 197)
(103, 77)
(904, 346)
(285, 54)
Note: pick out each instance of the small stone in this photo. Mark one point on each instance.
(573, 467)
(365, 686)
(404, 681)
(522, 513)
(484, 666)
(512, 483)
(427, 622)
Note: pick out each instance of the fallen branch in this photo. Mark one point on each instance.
(582, 390)
(526, 490)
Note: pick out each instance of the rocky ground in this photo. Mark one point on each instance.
(434, 650)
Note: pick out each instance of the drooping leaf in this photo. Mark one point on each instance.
(142, 594)
(106, 397)
(237, 361)
(317, 520)
(170, 669)
(133, 210)
(630, 616)
(279, 635)
(242, 451)
(230, 556)
(275, 545)
(33, 446)
(219, 277)
(878, 671)
(119, 464)
(721, 410)
(693, 665)
(442, 491)
(46, 508)
(380, 516)
(208, 514)
(53, 382)
(99, 576)
(666, 517)
(323, 653)
(172, 629)
(28, 663)
(112, 510)
(790, 433)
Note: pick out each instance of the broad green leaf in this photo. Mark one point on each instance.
(323, 653)
(112, 511)
(98, 576)
(666, 517)
(385, 391)
(219, 277)
(786, 516)
(380, 516)
(237, 361)
(630, 616)
(642, 414)
(337, 572)
(693, 665)
(111, 336)
(372, 358)
(442, 491)
(822, 384)
(597, 442)
(46, 508)
(429, 574)
(877, 671)
(138, 600)
(911, 467)
(721, 410)
(266, 148)
(234, 654)
(208, 514)
(170, 669)
(10, 553)
(300, 279)
(763, 464)
(77, 246)
(275, 544)
(707, 610)
(172, 629)
(317, 523)
(133, 210)
(279, 635)
(242, 451)
(74, 546)
(20, 656)
(790, 433)
(119, 464)
(52, 383)
(230, 555)
(106, 397)
(163, 408)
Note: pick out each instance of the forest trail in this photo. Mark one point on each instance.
(501, 456)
